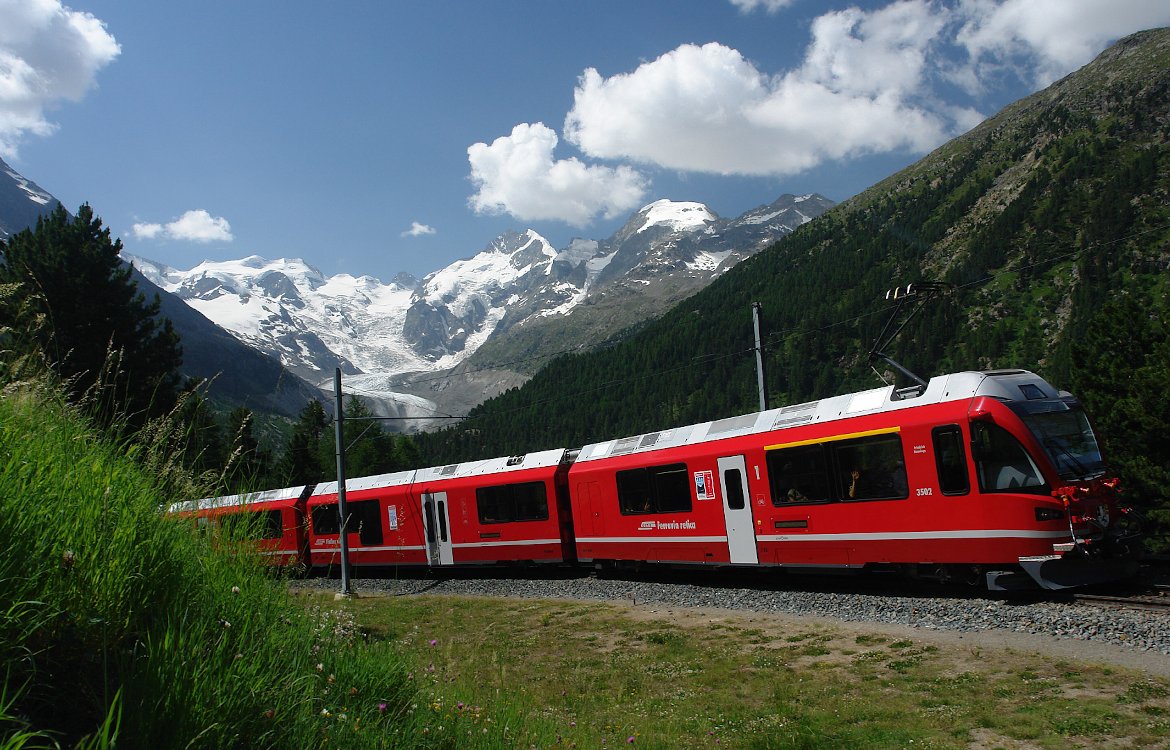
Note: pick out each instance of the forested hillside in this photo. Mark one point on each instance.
(1052, 222)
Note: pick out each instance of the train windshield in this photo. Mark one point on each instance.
(1061, 427)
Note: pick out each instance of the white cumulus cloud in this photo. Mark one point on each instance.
(48, 54)
(871, 81)
(517, 174)
(193, 226)
(1043, 40)
(417, 229)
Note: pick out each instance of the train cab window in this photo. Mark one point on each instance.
(799, 475)
(951, 460)
(525, 501)
(1001, 463)
(871, 468)
(654, 489)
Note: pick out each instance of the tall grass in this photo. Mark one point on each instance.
(121, 627)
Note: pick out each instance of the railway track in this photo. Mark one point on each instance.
(1157, 599)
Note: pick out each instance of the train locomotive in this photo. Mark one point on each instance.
(994, 477)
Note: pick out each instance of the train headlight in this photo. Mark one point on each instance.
(1049, 514)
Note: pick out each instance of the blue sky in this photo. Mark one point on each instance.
(378, 137)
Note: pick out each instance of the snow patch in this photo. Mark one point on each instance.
(680, 216)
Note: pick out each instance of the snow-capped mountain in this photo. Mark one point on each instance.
(384, 336)
(234, 372)
(21, 202)
(516, 301)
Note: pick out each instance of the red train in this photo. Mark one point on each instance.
(978, 475)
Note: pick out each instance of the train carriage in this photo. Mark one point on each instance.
(384, 528)
(276, 521)
(976, 474)
(508, 509)
(500, 510)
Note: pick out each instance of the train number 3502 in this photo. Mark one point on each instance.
(924, 491)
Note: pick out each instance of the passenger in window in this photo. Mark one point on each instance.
(860, 485)
(796, 496)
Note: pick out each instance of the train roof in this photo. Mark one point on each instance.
(502, 464)
(234, 501)
(355, 484)
(1000, 384)
(538, 460)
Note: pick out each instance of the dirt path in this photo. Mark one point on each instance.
(978, 645)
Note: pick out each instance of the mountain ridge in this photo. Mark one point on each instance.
(392, 341)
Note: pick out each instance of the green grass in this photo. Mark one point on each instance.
(121, 627)
(571, 674)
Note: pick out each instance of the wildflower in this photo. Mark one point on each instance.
(320, 667)
(629, 740)
(382, 707)
(331, 679)
(434, 641)
(325, 713)
(235, 589)
(341, 717)
(239, 656)
(353, 691)
(67, 559)
(459, 705)
(225, 624)
(270, 713)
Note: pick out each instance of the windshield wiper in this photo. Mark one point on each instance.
(1081, 472)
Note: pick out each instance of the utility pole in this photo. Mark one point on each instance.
(342, 510)
(761, 379)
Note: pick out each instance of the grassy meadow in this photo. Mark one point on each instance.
(122, 628)
(589, 675)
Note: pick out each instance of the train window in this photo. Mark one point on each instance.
(325, 520)
(951, 460)
(526, 501)
(1001, 463)
(273, 525)
(654, 489)
(429, 510)
(733, 487)
(799, 475)
(261, 524)
(871, 468)
(364, 520)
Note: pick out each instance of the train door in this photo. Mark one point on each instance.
(737, 511)
(437, 527)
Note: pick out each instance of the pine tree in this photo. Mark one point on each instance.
(99, 334)
(304, 459)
